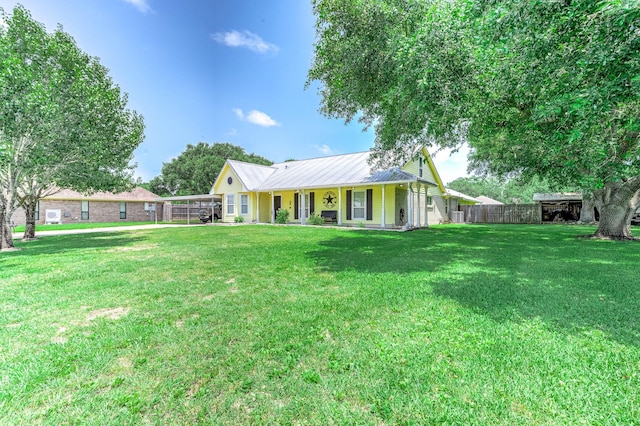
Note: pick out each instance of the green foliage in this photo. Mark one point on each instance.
(545, 88)
(238, 219)
(63, 121)
(315, 219)
(457, 325)
(539, 88)
(508, 191)
(559, 91)
(282, 216)
(195, 169)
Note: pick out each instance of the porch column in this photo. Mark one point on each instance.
(273, 208)
(257, 195)
(418, 205)
(302, 207)
(426, 206)
(339, 206)
(382, 225)
(409, 212)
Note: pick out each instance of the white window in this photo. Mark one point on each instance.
(231, 203)
(420, 166)
(429, 200)
(244, 204)
(359, 204)
(84, 210)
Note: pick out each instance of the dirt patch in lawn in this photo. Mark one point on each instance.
(109, 313)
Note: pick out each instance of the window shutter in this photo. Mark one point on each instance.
(312, 203)
(369, 204)
(296, 207)
(349, 206)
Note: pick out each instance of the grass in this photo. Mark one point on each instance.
(297, 325)
(82, 225)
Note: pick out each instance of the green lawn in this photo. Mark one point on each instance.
(81, 225)
(299, 325)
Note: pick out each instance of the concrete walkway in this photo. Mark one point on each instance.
(18, 235)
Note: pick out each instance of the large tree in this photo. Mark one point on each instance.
(549, 88)
(197, 167)
(63, 122)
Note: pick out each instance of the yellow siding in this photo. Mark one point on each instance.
(427, 174)
(223, 187)
(236, 188)
(265, 207)
(412, 167)
(389, 213)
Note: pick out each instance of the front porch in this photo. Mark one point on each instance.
(393, 206)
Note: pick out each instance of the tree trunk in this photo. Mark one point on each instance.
(30, 225)
(617, 203)
(588, 204)
(6, 239)
(615, 222)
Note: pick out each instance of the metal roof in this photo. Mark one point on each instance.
(557, 196)
(251, 175)
(333, 171)
(457, 194)
(198, 197)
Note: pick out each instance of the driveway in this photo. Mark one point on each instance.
(18, 235)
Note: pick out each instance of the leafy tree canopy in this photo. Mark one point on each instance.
(63, 122)
(539, 88)
(195, 169)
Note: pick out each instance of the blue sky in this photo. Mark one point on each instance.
(214, 71)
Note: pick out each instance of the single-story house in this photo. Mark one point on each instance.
(68, 206)
(341, 188)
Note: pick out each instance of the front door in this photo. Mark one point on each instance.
(277, 204)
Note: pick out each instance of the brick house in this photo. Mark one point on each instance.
(68, 206)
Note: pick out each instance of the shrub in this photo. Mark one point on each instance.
(315, 219)
(238, 219)
(282, 216)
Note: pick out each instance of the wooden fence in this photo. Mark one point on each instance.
(503, 213)
(185, 211)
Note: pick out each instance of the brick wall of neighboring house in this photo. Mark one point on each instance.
(99, 211)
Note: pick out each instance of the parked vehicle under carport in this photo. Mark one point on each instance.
(206, 216)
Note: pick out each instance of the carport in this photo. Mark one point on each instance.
(210, 199)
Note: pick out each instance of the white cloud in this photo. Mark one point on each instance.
(239, 113)
(324, 149)
(245, 39)
(141, 5)
(256, 117)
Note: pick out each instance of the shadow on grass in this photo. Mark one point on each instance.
(508, 273)
(67, 243)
